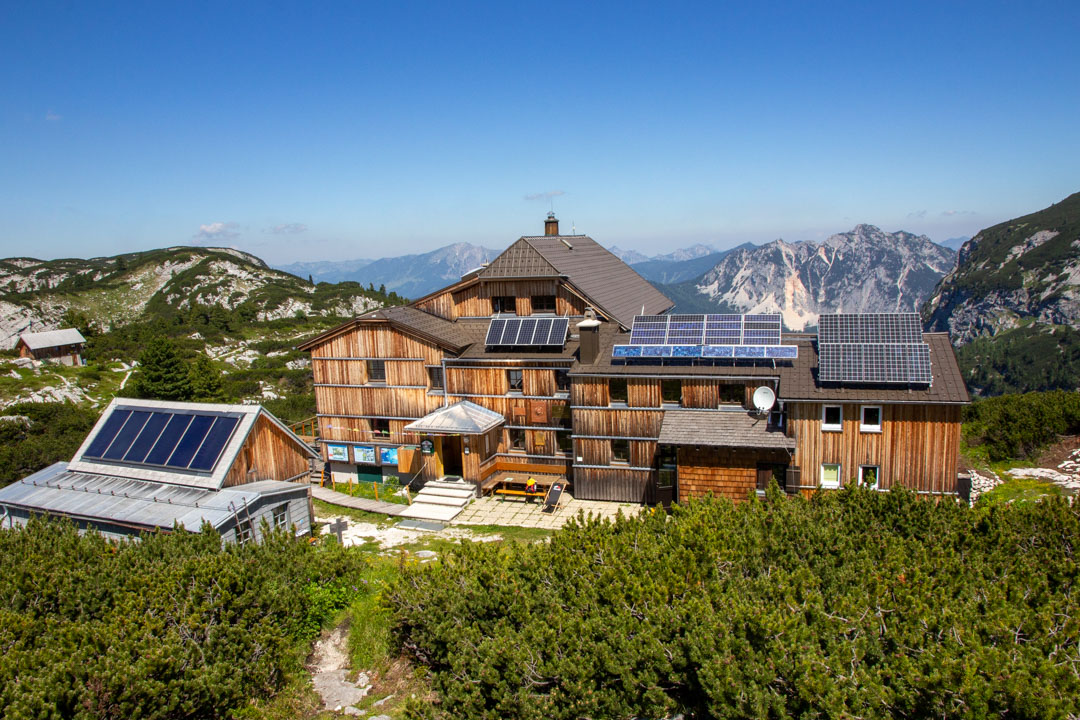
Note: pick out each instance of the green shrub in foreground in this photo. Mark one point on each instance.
(852, 604)
(174, 626)
(1017, 426)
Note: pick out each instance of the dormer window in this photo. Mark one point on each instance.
(505, 304)
(543, 304)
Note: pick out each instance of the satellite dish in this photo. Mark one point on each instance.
(764, 399)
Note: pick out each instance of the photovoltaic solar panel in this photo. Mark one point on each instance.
(147, 437)
(163, 439)
(870, 328)
(107, 433)
(523, 332)
(707, 336)
(127, 435)
(907, 363)
(189, 444)
(494, 332)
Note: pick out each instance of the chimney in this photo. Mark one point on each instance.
(551, 225)
(589, 332)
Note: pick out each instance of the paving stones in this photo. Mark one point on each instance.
(515, 513)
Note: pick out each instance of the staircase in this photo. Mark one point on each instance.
(440, 500)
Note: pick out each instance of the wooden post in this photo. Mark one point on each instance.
(376, 486)
(408, 495)
(350, 485)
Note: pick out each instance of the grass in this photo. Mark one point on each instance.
(325, 509)
(1020, 490)
(512, 534)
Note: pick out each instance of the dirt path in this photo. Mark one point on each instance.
(329, 668)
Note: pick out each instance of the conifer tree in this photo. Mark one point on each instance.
(162, 374)
(205, 381)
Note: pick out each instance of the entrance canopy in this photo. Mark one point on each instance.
(461, 418)
(712, 428)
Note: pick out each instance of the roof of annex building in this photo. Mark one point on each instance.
(52, 338)
(129, 502)
(213, 479)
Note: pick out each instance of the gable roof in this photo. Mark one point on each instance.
(721, 428)
(212, 480)
(612, 285)
(52, 338)
(442, 332)
(461, 418)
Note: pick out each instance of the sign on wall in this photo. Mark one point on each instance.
(427, 447)
(364, 454)
(337, 453)
(388, 455)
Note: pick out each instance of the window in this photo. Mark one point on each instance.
(871, 419)
(562, 380)
(869, 476)
(832, 418)
(732, 394)
(376, 371)
(668, 465)
(777, 417)
(281, 516)
(830, 476)
(517, 438)
(380, 426)
(671, 391)
(435, 378)
(514, 381)
(617, 390)
(620, 451)
(543, 304)
(244, 532)
(565, 441)
(504, 304)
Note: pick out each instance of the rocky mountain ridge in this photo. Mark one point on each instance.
(1018, 272)
(865, 270)
(112, 291)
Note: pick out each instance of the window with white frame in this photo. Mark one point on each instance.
(870, 476)
(281, 516)
(830, 475)
(244, 532)
(870, 418)
(832, 418)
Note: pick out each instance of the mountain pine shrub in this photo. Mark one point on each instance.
(852, 604)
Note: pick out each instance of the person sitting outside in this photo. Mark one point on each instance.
(530, 488)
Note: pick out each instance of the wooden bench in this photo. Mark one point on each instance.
(501, 492)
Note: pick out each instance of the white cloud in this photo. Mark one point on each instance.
(918, 214)
(951, 213)
(289, 229)
(51, 116)
(545, 195)
(216, 232)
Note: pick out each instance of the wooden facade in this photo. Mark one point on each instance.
(268, 453)
(917, 446)
(475, 299)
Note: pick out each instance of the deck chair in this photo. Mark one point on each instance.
(554, 498)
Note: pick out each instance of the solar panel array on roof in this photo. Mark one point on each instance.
(740, 337)
(873, 348)
(762, 329)
(870, 329)
(163, 439)
(516, 332)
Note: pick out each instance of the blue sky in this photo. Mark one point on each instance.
(320, 131)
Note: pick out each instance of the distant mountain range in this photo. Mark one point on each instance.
(410, 276)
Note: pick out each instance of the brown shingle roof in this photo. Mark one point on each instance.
(603, 278)
(717, 428)
(448, 334)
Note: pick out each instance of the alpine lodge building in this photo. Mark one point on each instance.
(558, 360)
